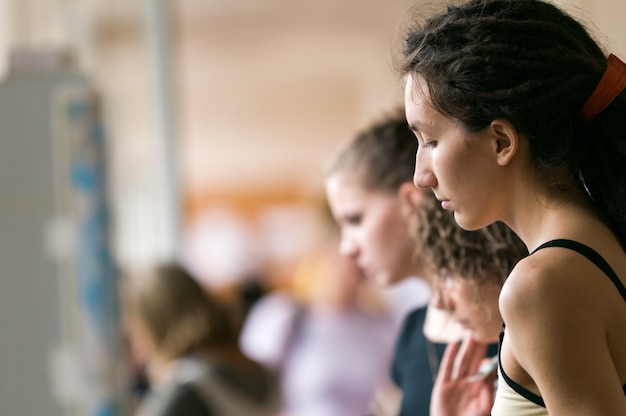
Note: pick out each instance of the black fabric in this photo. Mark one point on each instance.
(410, 369)
(182, 401)
(252, 382)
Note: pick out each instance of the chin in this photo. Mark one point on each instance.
(382, 280)
(467, 223)
(485, 338)
(480, 337)
(460, 220)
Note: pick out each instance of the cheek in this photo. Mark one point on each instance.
(395, 235)
(388, 244)
(454, 172)
(481, 312)
(462, 297)
(380, 227)
(471, 177)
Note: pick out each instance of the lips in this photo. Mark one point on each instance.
(445, 203)
(366, 270)
(465, 324)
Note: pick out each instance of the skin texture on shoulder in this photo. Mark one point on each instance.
(565, 359)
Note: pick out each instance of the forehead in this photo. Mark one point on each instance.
(416, 90)
(343, 182)
(454, 283)
(345, 191)
(421, 114)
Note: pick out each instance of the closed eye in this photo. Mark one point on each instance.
(353, 219)
(422, 142)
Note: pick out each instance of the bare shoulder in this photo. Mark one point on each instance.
(555, 278)
(535, 281)
(557, 297)
(565, 332)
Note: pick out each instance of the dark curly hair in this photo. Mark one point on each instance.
(485, 255)
(528, 62)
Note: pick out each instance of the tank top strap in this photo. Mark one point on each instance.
(591, 255)
(527, 394)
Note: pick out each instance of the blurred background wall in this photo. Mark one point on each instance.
(238, 102)
(217, 118)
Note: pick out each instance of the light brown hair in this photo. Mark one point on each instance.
(179, 315)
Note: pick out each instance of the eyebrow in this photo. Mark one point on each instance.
(419, 126)
(413, 127)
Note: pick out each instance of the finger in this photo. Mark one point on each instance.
(447, 361)
(490, 380)
(477, 356)
(470, 357)
(487, 393)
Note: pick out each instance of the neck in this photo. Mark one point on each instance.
(422, 269)
(550, 213)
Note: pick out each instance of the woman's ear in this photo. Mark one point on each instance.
(506, 141)
(411, 196)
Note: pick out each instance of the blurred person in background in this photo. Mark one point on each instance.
(187, 339)
(370, 190)
(329, 337)
(469, 269)
(394, 230)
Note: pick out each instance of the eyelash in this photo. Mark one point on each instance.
(426, 144)
(354, 220)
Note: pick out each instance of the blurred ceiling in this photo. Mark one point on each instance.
(265, 90)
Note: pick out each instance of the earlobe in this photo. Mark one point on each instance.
(411, 195)
(506, 141)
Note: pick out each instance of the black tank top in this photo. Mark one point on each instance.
(596, 259)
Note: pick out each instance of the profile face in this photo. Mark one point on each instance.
(458, 166)
(374, 228)
(474, 307)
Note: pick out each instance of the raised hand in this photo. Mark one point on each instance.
(457, 391)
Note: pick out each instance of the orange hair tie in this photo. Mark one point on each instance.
(610, 86)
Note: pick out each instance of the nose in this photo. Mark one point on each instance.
(441, 301)
(423, 176)
(437, 300)
(348, 248)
